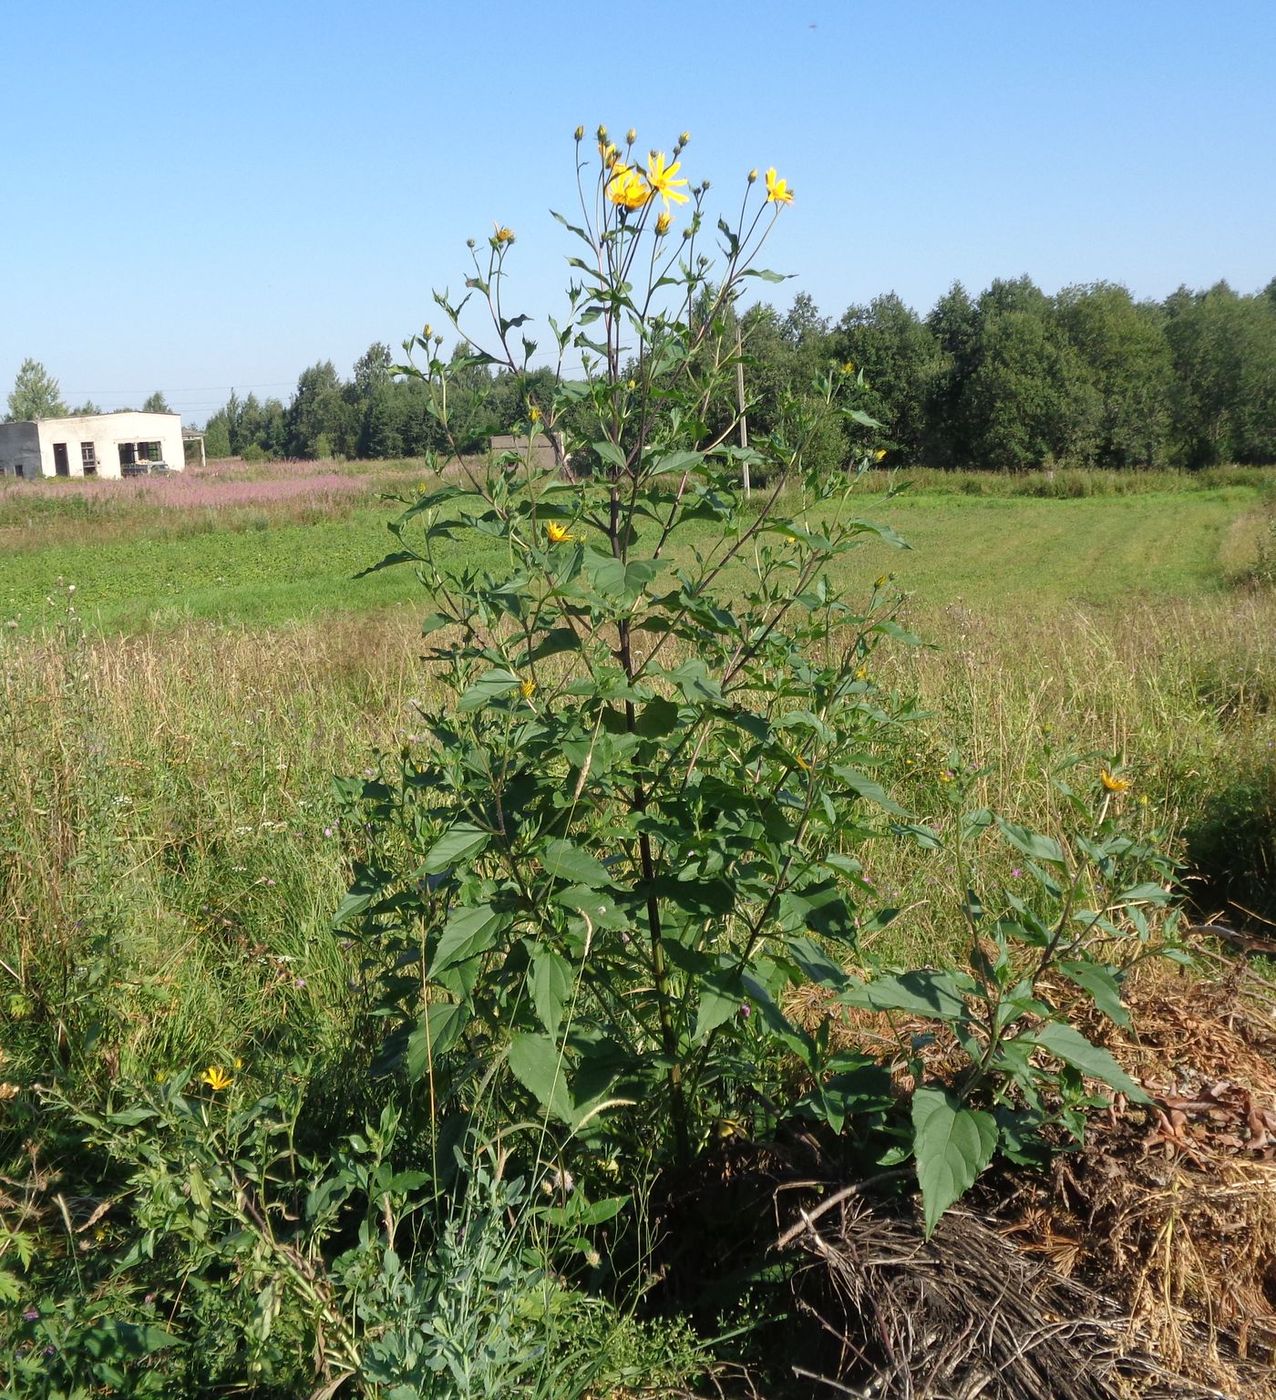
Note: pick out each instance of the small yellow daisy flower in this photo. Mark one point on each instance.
(660, 176)
(558, 534)
(503, 234)
(627, 188)
(527, 689)
(777, 190)
(1113, 783)
(216, 1078)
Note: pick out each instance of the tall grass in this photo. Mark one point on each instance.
(172, 857)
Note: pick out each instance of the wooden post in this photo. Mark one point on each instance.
(739, 403)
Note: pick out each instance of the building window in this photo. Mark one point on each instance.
(128, 454)
(88, 457)
(149, 451)
(20, 469)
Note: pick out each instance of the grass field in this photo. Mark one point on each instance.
(261, 552)
(171, 853)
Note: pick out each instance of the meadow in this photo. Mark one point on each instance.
(187, 664)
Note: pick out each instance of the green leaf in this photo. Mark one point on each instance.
(610, 453)
(1066, 1043)
(438, 1031)
(922, 993)
(871, 791)
(952, 1144)
(563, 861)
(1102, 984)
(551, 983)
(677, 462)
(721, 996)
(538, 1066)
(695, 683)
(490, 686)
(461, 842)
(1032, 843)
(815, 963)
(467, 933)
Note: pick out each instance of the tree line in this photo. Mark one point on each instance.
(1012, 379)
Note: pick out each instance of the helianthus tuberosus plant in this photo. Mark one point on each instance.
(641, 821)
(648, 793)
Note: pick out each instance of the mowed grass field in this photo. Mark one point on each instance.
(275, 554)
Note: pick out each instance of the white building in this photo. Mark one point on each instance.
(98, 444)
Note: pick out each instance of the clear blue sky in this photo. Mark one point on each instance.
(205, 196)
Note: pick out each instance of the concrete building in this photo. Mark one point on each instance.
(99, 444)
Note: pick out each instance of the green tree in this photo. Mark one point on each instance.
(35, 394)
(1030, 401)
(320, 419)
(1124, 348)
(156, 403)
(954, 324)
(901, 361)
(1224, 353)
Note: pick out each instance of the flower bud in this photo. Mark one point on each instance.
(753, 175)
(580, 133)
(630, 136)
(427, 331)
(684, 137)
(662, 224)
(602, 134)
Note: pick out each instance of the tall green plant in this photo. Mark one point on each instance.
(639, 823)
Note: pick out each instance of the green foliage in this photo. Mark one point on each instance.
(35, 394)
(639, 829)
(156, 403)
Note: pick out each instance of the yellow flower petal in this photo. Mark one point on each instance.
(558, 534)
(1113, 783)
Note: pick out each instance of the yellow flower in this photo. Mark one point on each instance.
(534, 414)
(627, 188)
(879, 454)
(609, 154)
(1114, 784)
(558, 534)
(503, 234)
(527, 689)
(216, 1078)
(849, 367)
(662, 223)
(660, 177)
(777, 190)
(861, 673)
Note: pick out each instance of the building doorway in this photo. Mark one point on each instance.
(60, 464)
